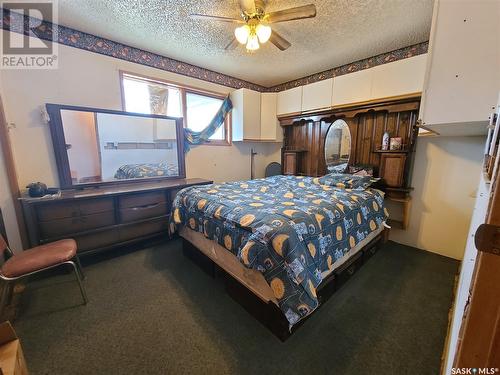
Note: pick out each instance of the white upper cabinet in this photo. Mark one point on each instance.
(270, 129)
(353, 87)
(463, 71)
(254, 116)
(245, 114)
(289, 101)
(400, 77)
(317, 95)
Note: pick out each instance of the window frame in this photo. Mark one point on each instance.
(227, 141)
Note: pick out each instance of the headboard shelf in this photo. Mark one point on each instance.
(405, 151)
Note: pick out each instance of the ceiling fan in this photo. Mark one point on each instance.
(255, 29)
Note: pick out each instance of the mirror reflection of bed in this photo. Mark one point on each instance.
(105, 147)
(337, 147)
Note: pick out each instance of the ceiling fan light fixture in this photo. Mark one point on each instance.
(253, 42)
(263, 32)
(242, 34)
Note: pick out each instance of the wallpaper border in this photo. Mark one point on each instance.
(88, 42)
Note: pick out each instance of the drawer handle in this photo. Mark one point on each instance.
(145, 207)
(351, 270)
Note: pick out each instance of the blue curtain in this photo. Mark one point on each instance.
(196, 138)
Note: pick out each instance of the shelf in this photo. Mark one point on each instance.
(405, 222)
(296, 150)
(396, 224)
(391, 151)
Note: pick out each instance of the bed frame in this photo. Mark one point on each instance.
(268, 313)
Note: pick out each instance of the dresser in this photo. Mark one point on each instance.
(104, 217)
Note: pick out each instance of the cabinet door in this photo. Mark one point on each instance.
(317, 95)
(290, 101)
(463, 75)
(251, 116)
(399, 77)
(353, 87)
(392, 168)
(289, 163)
(245, 114)
(269, 125)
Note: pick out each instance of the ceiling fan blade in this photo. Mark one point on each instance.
(247, 6)
(232, 44)
(279, 41)
(197, 16)
(306, 11)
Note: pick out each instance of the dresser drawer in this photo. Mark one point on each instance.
(142, 200)
(97, 240)
(56, 211)
(133, 231)
(67, 226)
(128, 215)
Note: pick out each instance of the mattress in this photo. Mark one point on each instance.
(292, 230)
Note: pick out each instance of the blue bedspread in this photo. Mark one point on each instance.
(292, 229)
(161, 169)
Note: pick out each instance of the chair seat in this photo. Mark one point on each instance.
(39, 257)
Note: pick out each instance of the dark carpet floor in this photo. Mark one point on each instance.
(152, 311)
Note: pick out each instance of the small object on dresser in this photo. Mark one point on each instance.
(37, 189)
(385, 141)
(396, 143)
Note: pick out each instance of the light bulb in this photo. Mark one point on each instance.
(253, 42)
(241, 33)
(263, 32)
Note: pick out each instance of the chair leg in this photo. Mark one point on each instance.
(79, 279)
(80, 269)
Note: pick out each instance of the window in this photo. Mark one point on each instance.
(197, 107)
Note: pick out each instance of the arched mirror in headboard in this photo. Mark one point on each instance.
(337, 147)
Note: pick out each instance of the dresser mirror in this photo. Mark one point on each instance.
(95, 146)
(337, 147)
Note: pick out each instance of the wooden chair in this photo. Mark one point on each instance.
(38, 259)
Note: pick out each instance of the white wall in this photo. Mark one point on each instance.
(446, 176)
(92, 80)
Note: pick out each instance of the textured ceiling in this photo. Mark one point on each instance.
(342, 32)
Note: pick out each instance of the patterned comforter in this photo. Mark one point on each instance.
(292, 229)
(162, 169)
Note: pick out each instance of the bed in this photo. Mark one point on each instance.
(283, 237)
(161, 169)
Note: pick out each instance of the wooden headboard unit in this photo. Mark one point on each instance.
(304, 140)
(367, 123)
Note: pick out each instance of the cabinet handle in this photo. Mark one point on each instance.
(145, 207)
(487, 239)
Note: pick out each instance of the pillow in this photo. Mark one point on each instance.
(358, 169)
(347, 181)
